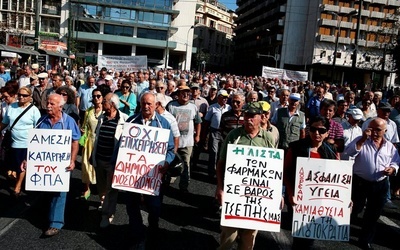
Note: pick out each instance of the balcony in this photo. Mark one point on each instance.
(346, 25)
(345, 40)
(362, 26)
(373, 28)
(328, 22)
(375, 14)
(361, 42)
(372, 44)
(326, 38)
(391, 17)
(333, 8)
(379, 1)
(365, 13)
(52, 10)
(346, 10)
(393, 3)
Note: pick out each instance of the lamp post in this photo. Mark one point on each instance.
(338, 35)
(354, 60)
(187, 44)
(274, 57)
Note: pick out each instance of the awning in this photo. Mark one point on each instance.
(53, 53)
(18, 50)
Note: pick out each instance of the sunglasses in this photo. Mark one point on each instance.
(23, 95)
(125, 87)
(96, 96)
(64, 94)
(320, 130)
(236, 102)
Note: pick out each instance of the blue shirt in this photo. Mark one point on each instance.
(67, 122)
(85, 95)
(5, 76)
(369, 161)
(313, 106)
(214, 114)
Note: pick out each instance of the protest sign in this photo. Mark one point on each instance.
(123, 63)
(269, 72)
(322, 196)
(49, 153)
(141, 154)
(252, 188)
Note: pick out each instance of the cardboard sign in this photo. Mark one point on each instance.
(140, 156)
(123, 63)
(252, 188)
(323, 194)
(49, 153)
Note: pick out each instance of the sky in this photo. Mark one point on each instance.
(231, 4)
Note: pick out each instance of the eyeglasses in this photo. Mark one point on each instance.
(96, 96)
(236, 102)
(377, 129)
(23, 95)
(159, 87)
(320, 130)
(63, 94)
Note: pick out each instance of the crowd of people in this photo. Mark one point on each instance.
(204, 113)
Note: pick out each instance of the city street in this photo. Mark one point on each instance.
(189, 222)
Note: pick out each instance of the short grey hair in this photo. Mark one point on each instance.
(115, 101)
(240, 95)
(60, 98)
(161, 99)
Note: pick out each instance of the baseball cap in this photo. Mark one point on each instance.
(265, 106)
(35, 66)
(194, 85)
(355, 113)
(34, 77)
(254, 108)
(295, 96)
(183, 87)
(213, 86)
(43, 75)
(108, 77)
(222, 92)
(384, 105)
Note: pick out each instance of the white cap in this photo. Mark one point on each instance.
(295, 96)
(108, 77)
(43, 75)
(222, 92)
(356, 113)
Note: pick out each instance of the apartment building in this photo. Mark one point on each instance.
(335, 40)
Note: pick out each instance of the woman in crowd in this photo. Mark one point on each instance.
(313, 146)
(88, 128)
(69, 81)
(19, 132)
(69, 107)
(127, 99)
(8, 96)
(367, 113)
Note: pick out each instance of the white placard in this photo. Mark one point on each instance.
(284, 74)
(123, 63)
(141, 153)
(323, 194)
(49, 154)
(252, 188)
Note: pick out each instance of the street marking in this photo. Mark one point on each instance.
(6, 224)
(391, 223)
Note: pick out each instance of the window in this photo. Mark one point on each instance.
(28, 23)
(20, 21)
(87, 27)
(152, 34)
(5, 5)
(118, 30)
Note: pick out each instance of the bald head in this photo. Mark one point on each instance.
(148, 104)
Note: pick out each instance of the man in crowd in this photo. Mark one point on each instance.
(327, 109)
(250, 134)
(39, 93)
(24, 80)
(290, 121)
(212, 124)
(351, 130)
(148, 117)
(56, 119)
(375, 160)
(283, 101)
(4, 74)
(84, 96)
(266, 124)
(189, 123)
(312, 107)
(233, 118)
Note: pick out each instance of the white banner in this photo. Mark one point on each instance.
(141, 154)
(49, 154)
(252, 188)
(323, 194)
(123, 63)
(284, 74)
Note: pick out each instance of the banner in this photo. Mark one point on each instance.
(252, 188)
(284, 74)
(123, 63)
(141, 154)
(323, 194)
(49, 154)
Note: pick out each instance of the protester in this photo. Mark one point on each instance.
(84, 98)
(148, 117)
(375, 159)
(250, 134)
(69, 98)
(127, 100)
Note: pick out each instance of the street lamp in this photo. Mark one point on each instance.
(352, 13)
(187, 44)
(274, 57)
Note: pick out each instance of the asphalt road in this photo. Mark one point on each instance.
(187, 222)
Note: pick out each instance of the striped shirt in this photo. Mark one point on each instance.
(105, 142)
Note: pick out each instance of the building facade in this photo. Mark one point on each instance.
(213, 39)
(334, 40)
